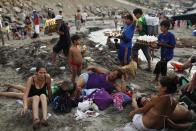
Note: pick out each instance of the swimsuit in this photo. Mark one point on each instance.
(34, 91)
(73, 64)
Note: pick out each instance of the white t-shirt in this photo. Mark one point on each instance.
(84, 16)
(1, 24)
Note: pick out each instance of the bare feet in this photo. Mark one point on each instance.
(36, 124)
(44, 122)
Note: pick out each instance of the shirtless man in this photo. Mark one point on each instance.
(75, 57)
(154, 115)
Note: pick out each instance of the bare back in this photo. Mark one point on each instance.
(163, 106)
(75, 54)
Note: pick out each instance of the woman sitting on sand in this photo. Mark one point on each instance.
(37, 91)
(97, 77)
(154, 115)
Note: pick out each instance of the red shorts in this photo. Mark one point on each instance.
(73, 64)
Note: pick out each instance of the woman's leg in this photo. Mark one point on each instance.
(35, 106)
(18, 87)
(12, 94)
(43, 100)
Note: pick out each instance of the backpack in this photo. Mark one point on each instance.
(151, 25)
(62, 103)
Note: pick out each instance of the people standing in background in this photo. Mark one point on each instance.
(116, 22)
(178, 23)
(61, 13)
(51, 13)
(167, 42)
(36, 22)
(64, 39)
(125, 47)
(1, 32)
(78, 18)
(84, 17)
(142, 30)
(7, 30)
(28, 26)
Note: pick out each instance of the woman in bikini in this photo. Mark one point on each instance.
(37, 92)
(154, 114)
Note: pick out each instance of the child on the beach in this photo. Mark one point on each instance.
(167, 42)
(75, 57)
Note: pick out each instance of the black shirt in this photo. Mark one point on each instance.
(65, 38)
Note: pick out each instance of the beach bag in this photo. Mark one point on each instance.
(101, 98)
(62, 103)
(120, 99)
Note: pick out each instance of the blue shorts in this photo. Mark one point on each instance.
(121, 54)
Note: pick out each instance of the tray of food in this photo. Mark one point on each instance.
(148, 40)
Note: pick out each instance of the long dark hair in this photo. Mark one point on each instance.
(169, 83)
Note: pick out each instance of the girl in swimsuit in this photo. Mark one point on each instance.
(154, 114)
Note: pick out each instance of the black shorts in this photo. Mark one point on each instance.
(61, 46)
(144, 48)
(161, 68)
(193, 59)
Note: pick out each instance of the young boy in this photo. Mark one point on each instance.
(75, 57)
(126, 40)
(167, 42)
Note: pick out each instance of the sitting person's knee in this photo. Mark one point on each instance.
(36, 98)
(43, 96)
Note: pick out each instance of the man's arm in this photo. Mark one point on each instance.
(144, 109)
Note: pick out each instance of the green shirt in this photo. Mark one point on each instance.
(142, 21)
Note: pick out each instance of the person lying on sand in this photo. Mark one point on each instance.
(97, 77)
(154, 115)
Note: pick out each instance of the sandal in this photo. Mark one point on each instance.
(36, 124)
(44, 122)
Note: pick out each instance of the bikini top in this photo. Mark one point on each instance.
(37, 91)
(165, 116)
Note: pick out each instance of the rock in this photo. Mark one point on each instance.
(17, 9)
(59, 5)
(6, 4)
